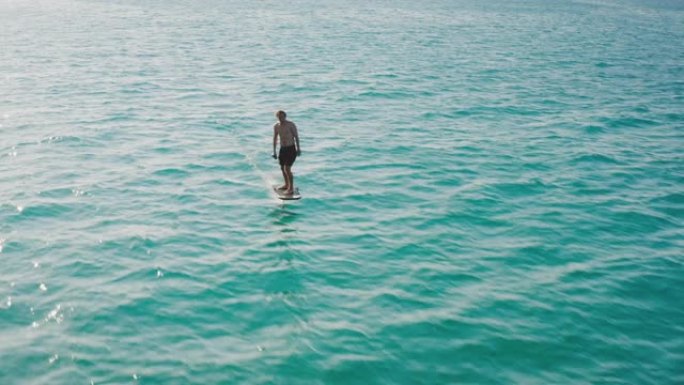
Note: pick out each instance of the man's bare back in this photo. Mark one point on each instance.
(287, 131)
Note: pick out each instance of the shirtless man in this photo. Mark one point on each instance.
(289, 149)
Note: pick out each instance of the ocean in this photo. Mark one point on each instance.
(493, 192)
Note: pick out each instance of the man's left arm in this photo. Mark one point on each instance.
(296, 138)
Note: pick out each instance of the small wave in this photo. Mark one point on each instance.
(672, 198)
(499, 111)
(352, 82)
(594, 158)
(630, 122)
(62, 192)
(519, 189)
(631, 221)
(67, 139)
(51, 210)
(387, 94)
(175, 172)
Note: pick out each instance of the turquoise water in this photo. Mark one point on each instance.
(493, 193)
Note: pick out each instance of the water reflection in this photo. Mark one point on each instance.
(284, 217)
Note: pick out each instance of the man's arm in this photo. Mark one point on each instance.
(296, 137)
(275, 140)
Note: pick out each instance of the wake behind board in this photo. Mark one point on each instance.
(281, 194)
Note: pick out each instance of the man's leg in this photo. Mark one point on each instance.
(290, 179)
(285, 177)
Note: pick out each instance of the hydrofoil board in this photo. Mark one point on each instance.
(287, 197)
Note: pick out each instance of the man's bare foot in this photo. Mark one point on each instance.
(283, 187)
(289, 192)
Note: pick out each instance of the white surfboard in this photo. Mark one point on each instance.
(287, 197)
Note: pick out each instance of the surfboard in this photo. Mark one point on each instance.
(281, 194)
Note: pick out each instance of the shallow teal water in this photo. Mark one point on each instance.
(493, 193)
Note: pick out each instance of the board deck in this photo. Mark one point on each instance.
(281, 194)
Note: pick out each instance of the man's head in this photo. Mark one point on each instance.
(281, 115)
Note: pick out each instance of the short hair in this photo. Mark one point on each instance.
(281, 112)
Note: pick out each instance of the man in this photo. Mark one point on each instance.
(289, 149)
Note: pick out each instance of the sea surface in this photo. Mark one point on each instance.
(493, 192)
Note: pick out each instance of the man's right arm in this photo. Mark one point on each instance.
(275, 141)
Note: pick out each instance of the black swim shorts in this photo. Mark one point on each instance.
(287, 155)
